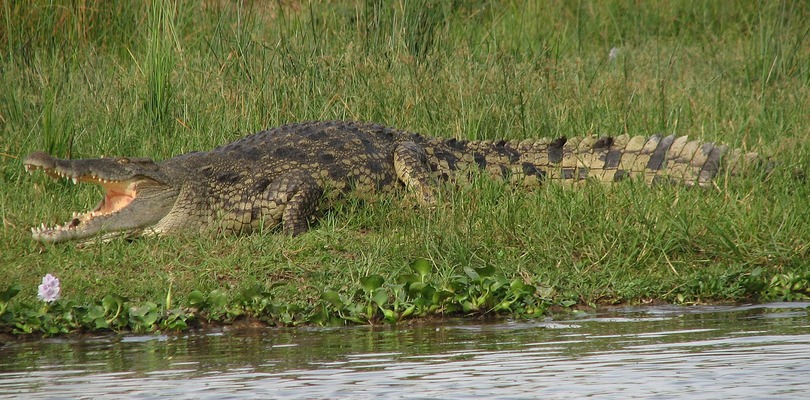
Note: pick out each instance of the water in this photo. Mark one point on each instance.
(650, 352)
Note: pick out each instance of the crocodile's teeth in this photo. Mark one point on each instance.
(75, 180)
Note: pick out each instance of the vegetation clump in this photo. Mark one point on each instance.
(161, 78)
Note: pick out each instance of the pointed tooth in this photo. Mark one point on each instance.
(75, 180)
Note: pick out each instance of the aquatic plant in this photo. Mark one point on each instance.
(414, 293)
(372, 299)
(49, 291)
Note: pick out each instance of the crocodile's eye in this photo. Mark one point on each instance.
(123, 160)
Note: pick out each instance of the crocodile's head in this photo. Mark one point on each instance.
(137, 196)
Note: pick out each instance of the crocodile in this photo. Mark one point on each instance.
(282, 176)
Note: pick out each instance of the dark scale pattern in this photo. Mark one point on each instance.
(280, 176)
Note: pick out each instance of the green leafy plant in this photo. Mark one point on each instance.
(480, 291)
(5, 298)
(788, 287)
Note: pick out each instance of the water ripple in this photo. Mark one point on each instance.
(662, 352)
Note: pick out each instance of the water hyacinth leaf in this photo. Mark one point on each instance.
(371, 283)
(517, 285)
(143, 316)
(10, 292)
(176, 320)
(95, 312)
(429, 293)
(457, 285)
(253, 291)
(142, 310)
(380, 298)
(150, 318)
(6, 317)
(486, 271)
(444, 294)
(415, 289)
(468, 306)
(483, 299)
(195, 298)
(101, 323)
(504, 305)
(422, 267)
(408, 279)
(112, 302)
(472, 273)
(332, 297)
(497, 284)
(217, 298)
(408, 311)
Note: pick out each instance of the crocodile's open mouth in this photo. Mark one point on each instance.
(117, 196)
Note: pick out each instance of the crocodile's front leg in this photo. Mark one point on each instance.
(291, 200)
(411, 166)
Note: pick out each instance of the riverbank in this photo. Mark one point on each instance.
(157, 81)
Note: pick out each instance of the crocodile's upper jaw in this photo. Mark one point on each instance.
(132, 203)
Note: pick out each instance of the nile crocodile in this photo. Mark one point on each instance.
(280, 176)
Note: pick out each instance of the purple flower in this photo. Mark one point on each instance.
(49, 289)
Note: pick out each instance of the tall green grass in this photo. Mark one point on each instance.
(86, 78)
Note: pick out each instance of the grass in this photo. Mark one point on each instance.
(157, 79)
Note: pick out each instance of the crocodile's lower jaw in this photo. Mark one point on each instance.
(117, 196)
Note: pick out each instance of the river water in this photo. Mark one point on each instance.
(658, 352)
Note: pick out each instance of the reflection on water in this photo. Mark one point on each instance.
(701, 352)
